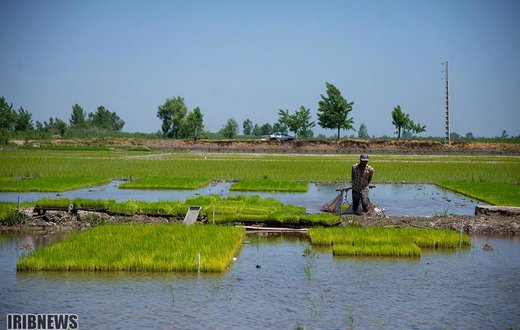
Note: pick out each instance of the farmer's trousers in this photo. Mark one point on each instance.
(365, 202)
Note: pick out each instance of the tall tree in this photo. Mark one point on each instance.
(172, 112)
(301, 122)
(106, 120)
(363, 132)
(78, 117)
(230, 129)
(7, 115)
(402, 122)
(195, 123)
(23, 121)
(333, 110)
(247, 127)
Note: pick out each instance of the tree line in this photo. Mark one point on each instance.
(20, 122)
(179, 122)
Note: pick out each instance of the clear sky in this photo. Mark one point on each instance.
(247, 59)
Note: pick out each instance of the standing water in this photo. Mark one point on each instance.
(396, 199)
(280, 282)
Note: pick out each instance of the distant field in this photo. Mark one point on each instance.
(51, 170)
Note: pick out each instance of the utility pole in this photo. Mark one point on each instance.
(447, 126)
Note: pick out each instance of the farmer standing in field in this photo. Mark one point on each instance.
(361, 177)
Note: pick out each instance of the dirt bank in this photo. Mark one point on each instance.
(308, 146)
(482, 224)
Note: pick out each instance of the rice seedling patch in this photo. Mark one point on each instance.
(384, 241)
(170, 248)
(165, 183)
(497, 193)
(269, 185)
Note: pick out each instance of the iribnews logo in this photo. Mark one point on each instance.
(41, 321)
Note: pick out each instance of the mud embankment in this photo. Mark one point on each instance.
(493, 224)
(308, 146)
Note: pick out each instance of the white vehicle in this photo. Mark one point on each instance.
(281, 136)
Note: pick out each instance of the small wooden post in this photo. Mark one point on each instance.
(213, 214)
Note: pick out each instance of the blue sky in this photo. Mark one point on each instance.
(247, 59)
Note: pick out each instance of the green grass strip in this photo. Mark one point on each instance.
(50, 184)
(408, 250)
(358, 236)
(270, 185)
(497, 193)
(165, 183)
(168, 248)
(228, 210)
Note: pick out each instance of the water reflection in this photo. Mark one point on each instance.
(397, 199)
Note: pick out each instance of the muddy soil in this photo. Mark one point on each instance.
(482, 224)
(307, 146)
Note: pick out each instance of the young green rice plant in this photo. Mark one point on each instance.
(380, 250)
(497, 193)
(165, 183)
(51, 184)
(269, 185)
(140, 248)
(384, 241)
(53, 203)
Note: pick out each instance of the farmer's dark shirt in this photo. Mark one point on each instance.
(361, 178)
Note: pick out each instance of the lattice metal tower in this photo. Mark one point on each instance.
(447, 126)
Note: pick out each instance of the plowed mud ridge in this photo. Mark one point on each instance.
(308, 146)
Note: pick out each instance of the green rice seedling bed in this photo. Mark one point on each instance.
(270, 185)
(498, 193)
(373, 238)
(409, 250)
(160, 248)
(221, 211)
(165, 183)
(106, 165)
(50, 184)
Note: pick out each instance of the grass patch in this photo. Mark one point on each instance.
(228, 210)
(76, 164)
(270, 185)
(497, 193)
(165, 183)
(170, 248)
(50, 184)
(384, 241)
(409, 250)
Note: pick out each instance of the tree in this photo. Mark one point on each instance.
(23, 121)
(7, 115)
(78, 118)
(504, 135)
(195, 123)
(363, 132)
(172, 112)
(230, 129)
(402, 121)
(266, 129)
(333, 110)
(247, 127)
(469, 136)
(256, 130)
(106, 120)
(299, 123)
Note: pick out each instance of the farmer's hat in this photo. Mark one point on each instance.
(363, 158)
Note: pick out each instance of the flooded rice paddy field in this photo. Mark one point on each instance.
(280, 282)
(396, 199)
